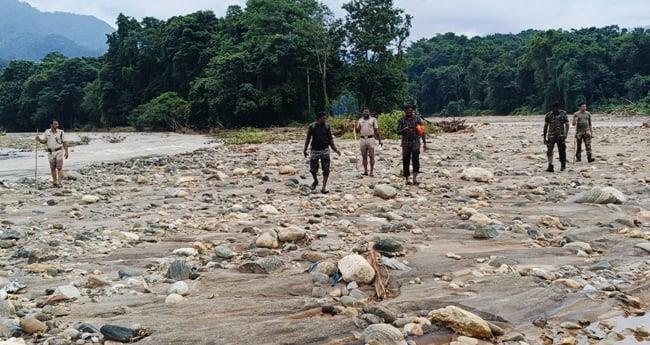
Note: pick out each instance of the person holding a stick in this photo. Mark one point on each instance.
(368, 130)
(57, 149)
(411, 128)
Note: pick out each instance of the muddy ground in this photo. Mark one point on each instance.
(527, 280)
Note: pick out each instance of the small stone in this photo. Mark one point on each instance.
(174, 299)
(488, 231)
(577, 245)
(570, 283)
(385, 313)
(224, 252)
(462, 322)
(9, 327)
(262, 266)
(385, 191)
(269, 209)
(7, 309)
(326, 267)
(318, 292)
(601, 265)
(288, 170)
(32, 326)
(180, 288)
(291, 234)
(413, 329)
(184, 180)
(643, 245)
(267, 239)
(387, 245)
(179, 270)
(186, 252)
(477, 174)
(570, 325)
(68, 291)
(356, 268)
(90, 199)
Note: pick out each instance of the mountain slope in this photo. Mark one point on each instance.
(27, 33)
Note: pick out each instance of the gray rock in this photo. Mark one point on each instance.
(318, 277)
(383, 334)
(385, 313)
(601, 265)
(179, 288)
(372, 319)
(387, 245)
(224, 252)
(326, 267)
(606, 195)
(14, 286)
(535, 233)
(9, 327)
(348, 301)
(318, 292)
(291, 234)
(358, 294)
(488, 231)
(262, 266)
(69, 291)
(356, 268)
(180, 270)
(643, 245)
(11, 234)
(7, 309)
(385, 191)
(502, 260)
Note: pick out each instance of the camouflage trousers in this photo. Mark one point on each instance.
(586, 138)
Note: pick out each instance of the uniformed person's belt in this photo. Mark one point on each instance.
(50, 150)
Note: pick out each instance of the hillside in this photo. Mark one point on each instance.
(27, 33)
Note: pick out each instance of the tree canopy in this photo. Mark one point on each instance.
(278, 61)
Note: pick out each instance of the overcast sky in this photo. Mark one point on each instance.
(469, 17)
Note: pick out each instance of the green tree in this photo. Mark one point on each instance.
(165, 112)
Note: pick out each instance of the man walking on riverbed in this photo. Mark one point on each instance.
(411, 129)
(368, 131)
(584, 131)
(320, 136)
(556, 129)
(56, 145)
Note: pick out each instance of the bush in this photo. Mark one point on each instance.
(454, 108)
(247, 135)
(341, 125)
(388, 124)
(165, 112)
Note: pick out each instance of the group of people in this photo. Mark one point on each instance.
(556, 131)
(410, 127)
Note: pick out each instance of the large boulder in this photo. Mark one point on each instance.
(383, 334)
(477, 174)
(606, 195)
(355, 267)
(385, 191)
(462, 322)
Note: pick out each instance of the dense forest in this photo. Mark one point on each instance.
(278, 61)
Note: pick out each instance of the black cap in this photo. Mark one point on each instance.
(408, 106)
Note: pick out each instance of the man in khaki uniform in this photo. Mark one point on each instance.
(584, 131)
(56, 145)
(368, 130)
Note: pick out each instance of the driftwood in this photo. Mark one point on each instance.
(454, 125)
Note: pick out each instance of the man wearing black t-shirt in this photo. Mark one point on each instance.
(320, 136)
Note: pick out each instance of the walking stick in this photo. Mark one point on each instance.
(36, 162)
(575, 149)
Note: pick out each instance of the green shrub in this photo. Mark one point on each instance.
(388, 124)
(341, 124)
(246, 136)
(165, 112)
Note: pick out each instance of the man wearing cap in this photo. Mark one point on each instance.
(408, 127)
(56, 145)
(368, 131)
(320, 136)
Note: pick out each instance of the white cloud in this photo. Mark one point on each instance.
(470, 17)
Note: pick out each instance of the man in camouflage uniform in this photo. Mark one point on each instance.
(556, 129)
(407, 128)
(584, 132)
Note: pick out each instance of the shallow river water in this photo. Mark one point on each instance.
(16, 164)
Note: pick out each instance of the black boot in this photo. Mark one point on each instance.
(578, 158)
(563, 166)
(590, 159)
(550, 168)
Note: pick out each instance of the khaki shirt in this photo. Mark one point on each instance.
(54, 140)
(582, 121)
(367, 127)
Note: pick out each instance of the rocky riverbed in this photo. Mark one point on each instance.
(227, 245)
